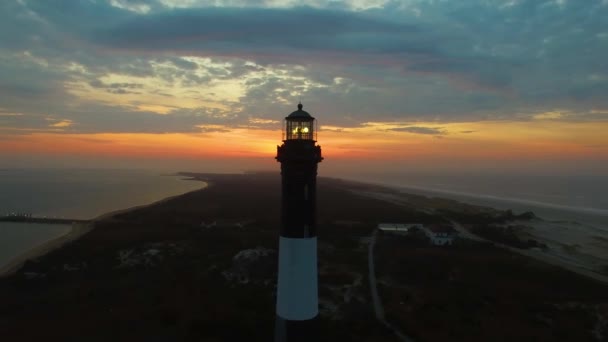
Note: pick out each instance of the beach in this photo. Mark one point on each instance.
(572, 244)
(577, 237)
(579, 244)
(77, 230)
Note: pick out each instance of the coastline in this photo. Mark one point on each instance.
(550, 211)
(492, 201)
(556, 257)
(77, 231)
(574, 246)
(141, 206)
(160, 261)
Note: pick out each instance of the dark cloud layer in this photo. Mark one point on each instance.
(405, 61)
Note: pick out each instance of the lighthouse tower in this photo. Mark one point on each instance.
(297, 288)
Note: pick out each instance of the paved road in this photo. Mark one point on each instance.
(372, 278)
(378, 309)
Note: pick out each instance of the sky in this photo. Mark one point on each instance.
(204, 85)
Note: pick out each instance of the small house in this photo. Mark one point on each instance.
(440, 234)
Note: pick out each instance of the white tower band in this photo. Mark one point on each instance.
(297, 287)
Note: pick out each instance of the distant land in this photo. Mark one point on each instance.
(202, 266)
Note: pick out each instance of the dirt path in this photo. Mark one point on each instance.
(378, 308)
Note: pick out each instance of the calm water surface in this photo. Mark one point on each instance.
(577, 198)
(18, 237)
(77, 194)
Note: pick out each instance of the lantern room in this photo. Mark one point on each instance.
(299, 125)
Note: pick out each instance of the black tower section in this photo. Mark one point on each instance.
(299, 159)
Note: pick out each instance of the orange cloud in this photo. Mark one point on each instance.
(375, 141)
(61, 124)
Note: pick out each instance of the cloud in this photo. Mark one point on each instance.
(419, 130)
(104, 65)
(117, 88)
(61, 124)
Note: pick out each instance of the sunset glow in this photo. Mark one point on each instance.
(487, 140)
(188, 80)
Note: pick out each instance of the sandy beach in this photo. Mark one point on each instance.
(577, 239)
(580, 247)
(574, 246)
(77, 231)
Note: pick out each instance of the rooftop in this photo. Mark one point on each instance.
(398, 226)
(300, 114)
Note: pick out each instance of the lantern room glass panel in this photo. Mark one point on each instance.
(299, 130)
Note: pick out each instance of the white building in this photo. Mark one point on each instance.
(440, 235)
(398, 227)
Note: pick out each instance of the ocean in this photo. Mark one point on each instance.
(557, 196)
(74, 194)
(573, 204)
(16, 238)
(577, 201)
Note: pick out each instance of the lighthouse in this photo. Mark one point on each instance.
(297, 288)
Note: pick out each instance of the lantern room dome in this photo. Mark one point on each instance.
(300, 114)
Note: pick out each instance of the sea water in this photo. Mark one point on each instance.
(558, 196)
(15, 238)
(82, 193)
(579, 200)
(573, 209)
(73, 194)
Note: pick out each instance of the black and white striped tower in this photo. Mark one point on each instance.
(297, 287)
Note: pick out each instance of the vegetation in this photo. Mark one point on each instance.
(156, 274)
(506, 235)
(476, 292)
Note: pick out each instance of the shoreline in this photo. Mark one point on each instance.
(471, 198)
(80, 229)
(583, 261)
(77, 231)
(141, 206)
